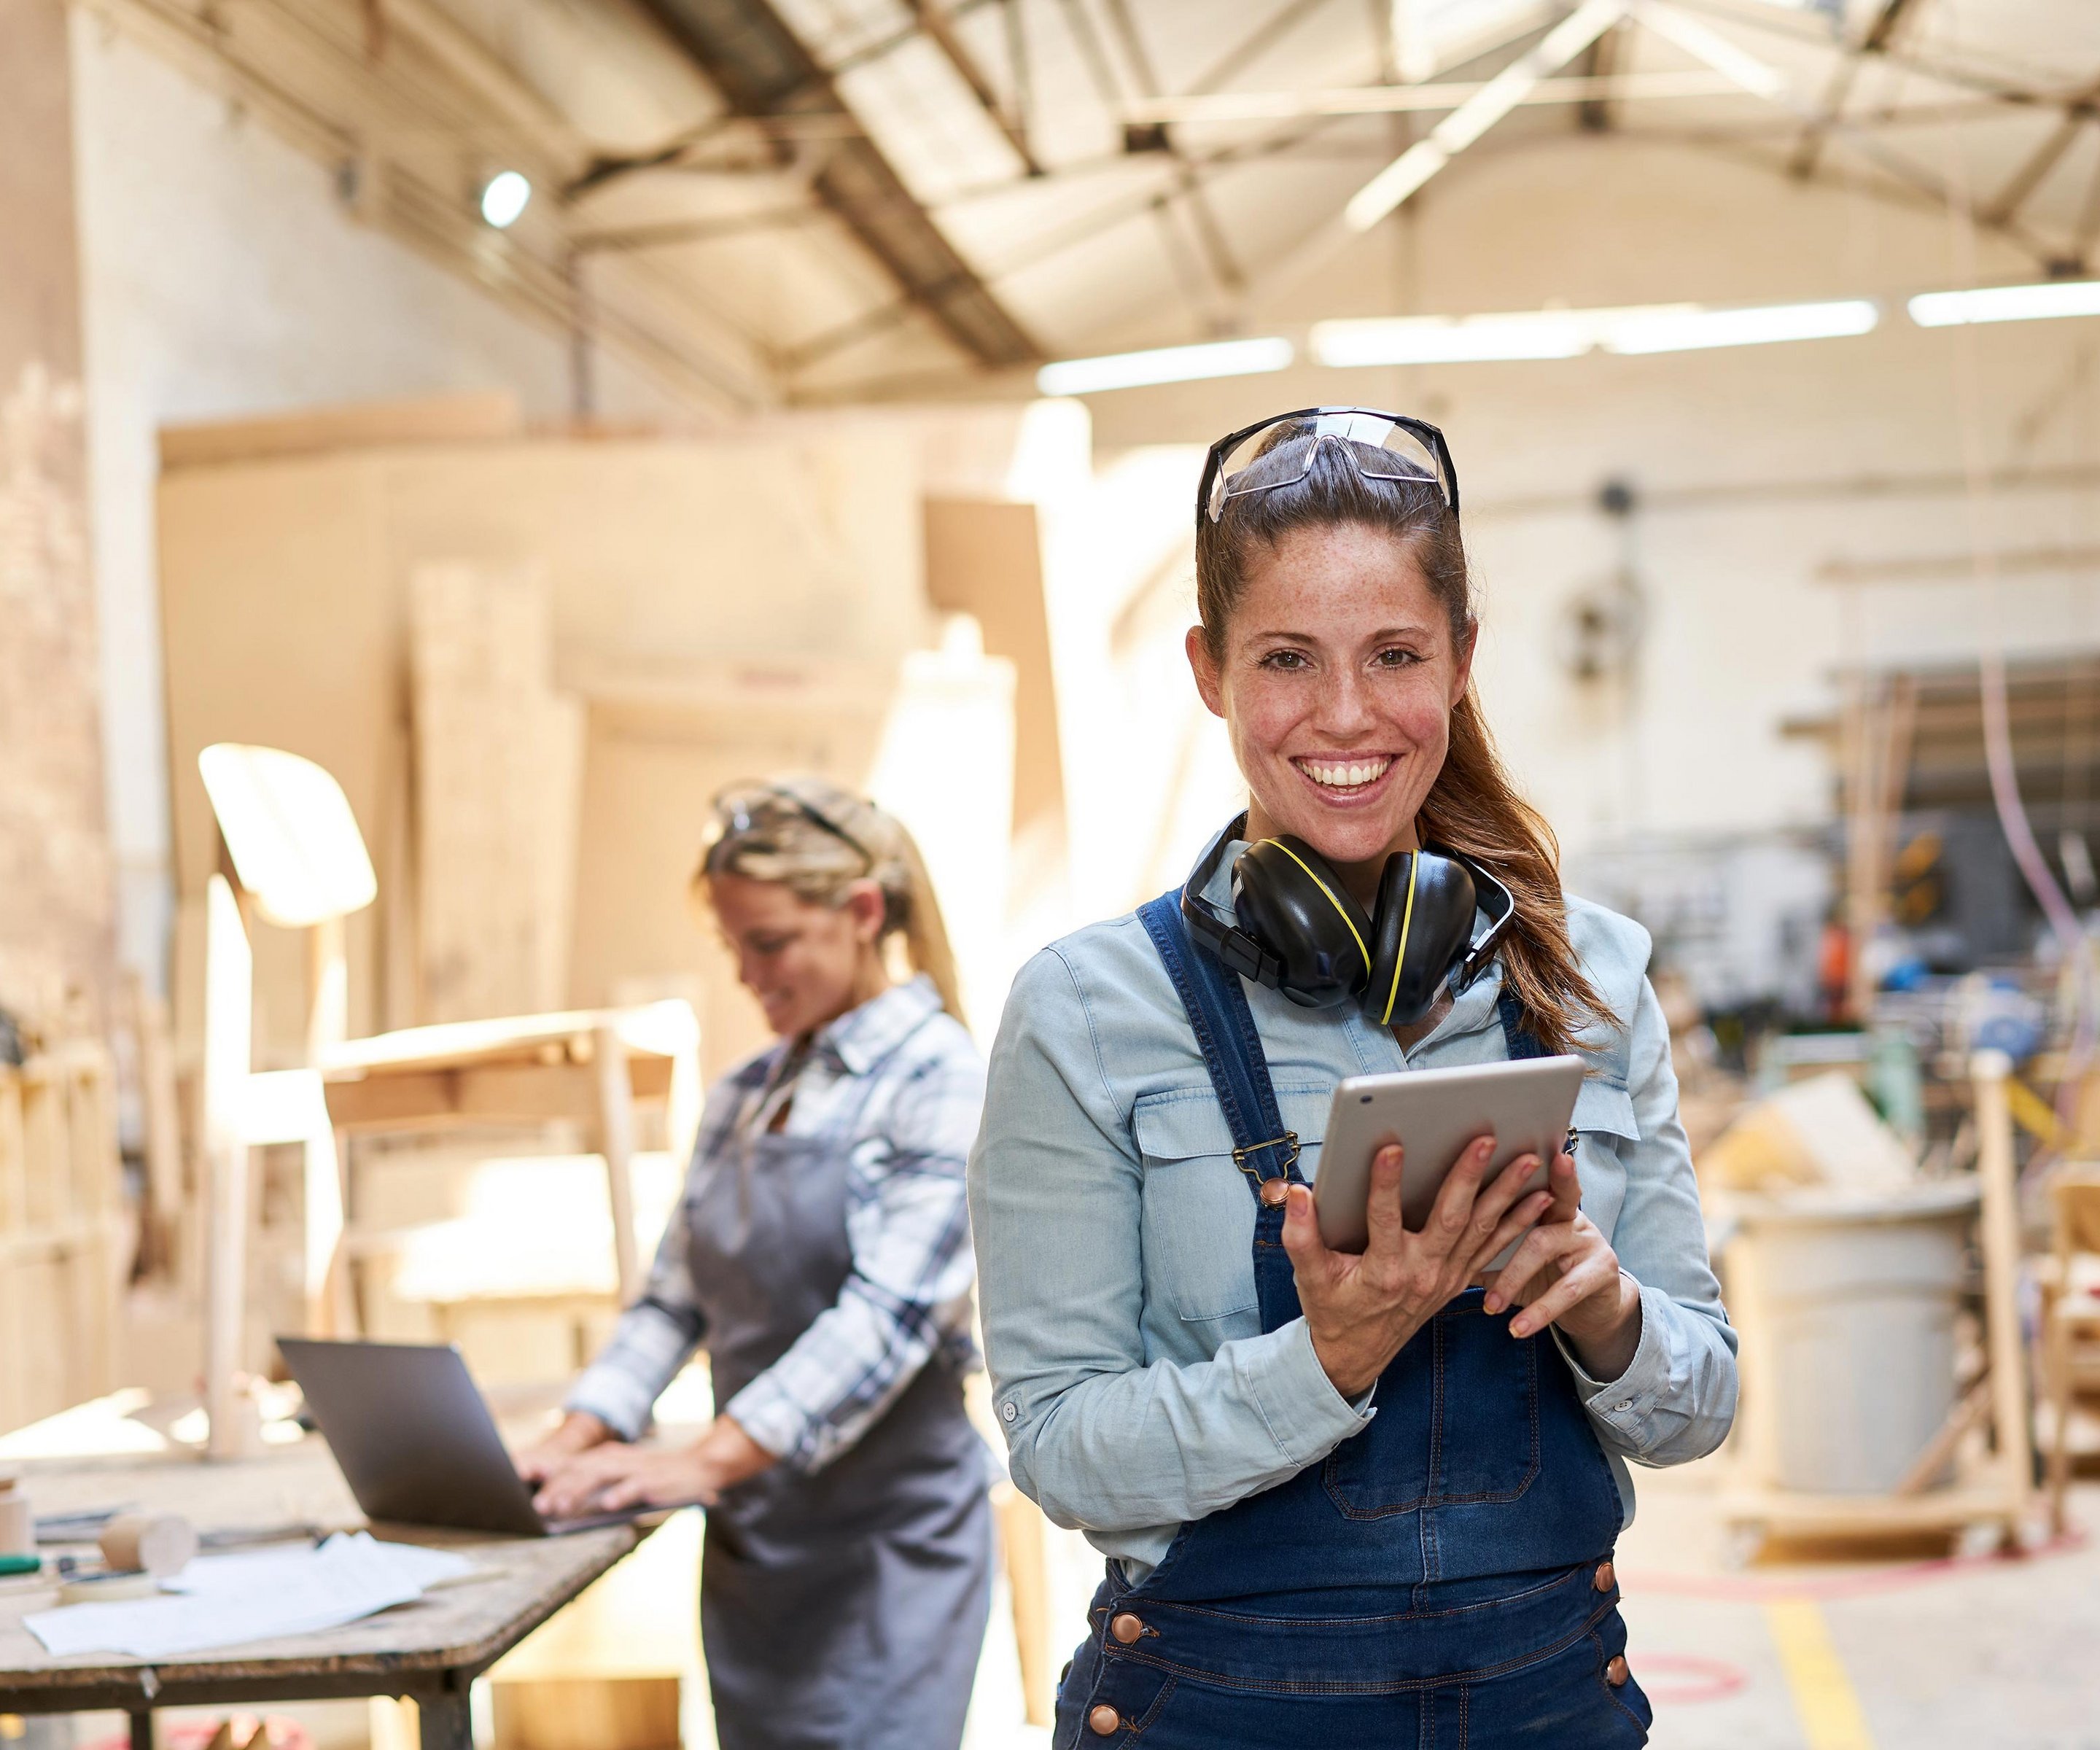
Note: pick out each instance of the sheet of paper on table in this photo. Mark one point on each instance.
(265, 1594)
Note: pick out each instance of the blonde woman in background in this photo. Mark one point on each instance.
(821, 1255)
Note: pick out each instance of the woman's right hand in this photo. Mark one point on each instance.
(577, 1432)
(1362, 1308)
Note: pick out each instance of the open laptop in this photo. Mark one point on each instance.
(414, 1439)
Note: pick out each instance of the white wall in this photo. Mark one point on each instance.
(223, 277)
(1741, 632)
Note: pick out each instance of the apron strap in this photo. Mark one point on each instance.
(1225, 1033)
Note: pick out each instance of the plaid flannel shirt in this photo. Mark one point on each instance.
(898, 1082)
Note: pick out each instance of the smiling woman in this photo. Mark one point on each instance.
(1347, 1498)
(821, 1256)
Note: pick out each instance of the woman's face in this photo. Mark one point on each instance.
(806, 964)
(1337, 682)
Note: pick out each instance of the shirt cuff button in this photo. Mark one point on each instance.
(1010, 1412)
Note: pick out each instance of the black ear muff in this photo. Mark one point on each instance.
(1424, 923)
(1288, 897)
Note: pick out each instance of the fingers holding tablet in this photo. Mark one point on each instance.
(1381, 1212)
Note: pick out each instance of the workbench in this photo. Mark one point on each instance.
(429, 1651)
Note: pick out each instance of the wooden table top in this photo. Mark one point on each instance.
(519, 1582)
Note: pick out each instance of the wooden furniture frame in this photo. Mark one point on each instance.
(60, 1211)
(292, 855)
(592, 1066)
(2070, 1317)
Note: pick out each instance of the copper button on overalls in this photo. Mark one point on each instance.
(1103, 1722)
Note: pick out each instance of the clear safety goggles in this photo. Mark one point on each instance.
(1411, 449)
(756, 811)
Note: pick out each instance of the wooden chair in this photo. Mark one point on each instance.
(2070, 1317)
(293, 856)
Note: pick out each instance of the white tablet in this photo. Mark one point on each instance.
(1434, 1113)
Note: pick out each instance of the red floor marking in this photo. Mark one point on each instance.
(1698, 1679)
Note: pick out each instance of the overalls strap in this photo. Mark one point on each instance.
(1225, 1034)
(1515, 1034)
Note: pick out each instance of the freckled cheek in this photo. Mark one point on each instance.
(1261, 720)
(1423, 725)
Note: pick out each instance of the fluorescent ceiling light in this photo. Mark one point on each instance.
(1570, 334)
(2007, 303)
(1684, 331)
(1165, 364)
(504, 199)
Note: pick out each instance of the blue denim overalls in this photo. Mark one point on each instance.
(1441, 1581)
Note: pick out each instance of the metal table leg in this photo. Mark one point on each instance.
(445, 1722)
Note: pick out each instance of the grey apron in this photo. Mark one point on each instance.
(843, 1611)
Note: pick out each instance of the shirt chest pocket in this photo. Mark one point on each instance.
(1603, 1125)
(1197, 1223)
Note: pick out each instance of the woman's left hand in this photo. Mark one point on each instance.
(1565, 1273)
(615, 1476)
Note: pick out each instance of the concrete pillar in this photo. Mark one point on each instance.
(56, 901)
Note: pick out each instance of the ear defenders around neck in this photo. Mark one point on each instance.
(1295, 927)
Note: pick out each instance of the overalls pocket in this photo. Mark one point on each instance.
(1196, 1221)
(1456, 1421)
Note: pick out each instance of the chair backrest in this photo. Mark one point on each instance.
(288, 828)
(2074, 1196)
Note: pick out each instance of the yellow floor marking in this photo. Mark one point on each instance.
(1831, 1718)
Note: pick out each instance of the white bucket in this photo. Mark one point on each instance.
(1851, 1301)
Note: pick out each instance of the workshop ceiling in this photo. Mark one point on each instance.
(793, 200)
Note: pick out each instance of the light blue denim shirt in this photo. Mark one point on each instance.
(1114, 1236)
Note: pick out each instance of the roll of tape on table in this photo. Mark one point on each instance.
(156, 1543)
(18, 1530)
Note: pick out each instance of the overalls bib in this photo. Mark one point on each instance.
(1441, 1580)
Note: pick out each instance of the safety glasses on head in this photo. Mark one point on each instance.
(747, 810)
(1295, 927)
(1410, 449)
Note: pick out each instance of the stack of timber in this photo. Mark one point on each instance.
(62, 1227)
(499, 775)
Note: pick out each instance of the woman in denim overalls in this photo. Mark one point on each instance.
(1347, 1500)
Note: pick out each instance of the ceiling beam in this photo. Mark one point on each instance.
(1216, 253)
(1877, 39)
(764, 70)
(940, 29)
(1401, 180)
(1257, 43)
(1403, 100)
(1598, 64)
(2021, 185)
(2088, 232)
(1704, 44)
